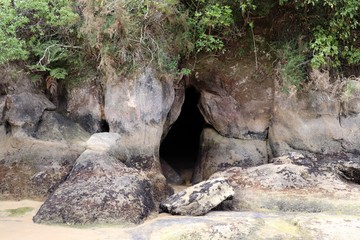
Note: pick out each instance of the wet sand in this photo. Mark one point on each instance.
(254, 225)
(23, 228)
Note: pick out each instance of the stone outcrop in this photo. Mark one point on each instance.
(38, 145)
(33, 168)
(218, 153)
(313, 123)
(247, 120)
(175, 109)
(99, 189)
(237, 102)
(24, 111)
(198, 199)
(85, 105)
(170, 174)
(295, 183)
(137, 109)
(218, 225)
(235, 99)
(115, 145)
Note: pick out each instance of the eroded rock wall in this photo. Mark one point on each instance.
(38, 145)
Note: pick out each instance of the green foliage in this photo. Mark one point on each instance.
(210, 23)
(291, 65)
(38, 32)
(119, 35)
(334, 24)
(185, 71)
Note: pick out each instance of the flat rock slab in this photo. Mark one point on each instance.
(198, 199)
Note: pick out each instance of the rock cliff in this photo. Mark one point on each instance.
(59, 154)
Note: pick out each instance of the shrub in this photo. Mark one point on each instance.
(40, 32)
(291, 65)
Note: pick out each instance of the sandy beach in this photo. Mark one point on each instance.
(249, 225)
(23, 228)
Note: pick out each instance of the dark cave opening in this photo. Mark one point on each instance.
(181, 145)
(104, 126)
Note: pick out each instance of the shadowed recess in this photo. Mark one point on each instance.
(181, 145)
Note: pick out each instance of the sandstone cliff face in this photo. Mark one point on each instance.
(38, 145)
(249, 121)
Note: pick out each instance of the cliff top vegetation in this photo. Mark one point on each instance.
(61, 38)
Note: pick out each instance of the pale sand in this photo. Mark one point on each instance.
(23, 228)
(308, 226)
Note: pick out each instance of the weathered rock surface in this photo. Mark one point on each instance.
(294, 183)
(24, 111)
(218, 225)
(14, 80)
(198, 199)
(32, 168)
(137, 109)
(175, 108)
(99, 189)
(312, 123)
(85, 105)
(115, 145)
(38, 145)
(215, 225)
(232, 119)
(107, 143)
(218, 153)
(170, 174)
(55, 127)
(235, 98)
(2, 109)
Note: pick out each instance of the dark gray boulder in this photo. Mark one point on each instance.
(99, 190)
(23, 111)
(198, 199)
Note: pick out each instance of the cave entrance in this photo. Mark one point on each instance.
(181, 145)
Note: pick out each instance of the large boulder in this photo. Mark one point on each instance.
(218, 153)
(99, 189)
(198, 199)
(137, 107)
(115, 145)
(24, 111)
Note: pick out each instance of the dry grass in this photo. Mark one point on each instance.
(122, 34)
